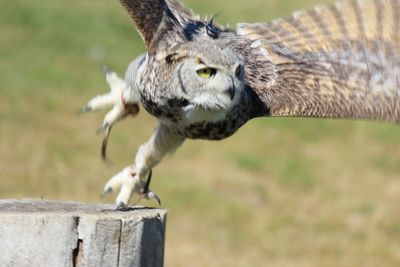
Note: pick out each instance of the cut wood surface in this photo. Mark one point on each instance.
(53, 233)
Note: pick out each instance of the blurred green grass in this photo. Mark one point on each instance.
(281, 192)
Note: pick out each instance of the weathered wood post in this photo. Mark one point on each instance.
(50, 233)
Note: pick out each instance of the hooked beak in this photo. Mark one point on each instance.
(231, 92)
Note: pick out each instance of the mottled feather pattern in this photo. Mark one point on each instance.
(154, 19)
(146, 15)
(338, 61)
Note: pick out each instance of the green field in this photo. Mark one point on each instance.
(281, 192)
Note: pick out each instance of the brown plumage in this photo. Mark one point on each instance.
(152, 18)
(338, 61)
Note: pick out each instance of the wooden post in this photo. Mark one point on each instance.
(50, 233)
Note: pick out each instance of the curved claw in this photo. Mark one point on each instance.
(146, 187)
(84, 109)
(105, 69)
(147, 193)
(103, 128)
(130, 183)
(106, 192)
(122, 207)
(152, 195)
(149, 196)
(104, 144)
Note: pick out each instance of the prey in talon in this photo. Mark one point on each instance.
(205, 81)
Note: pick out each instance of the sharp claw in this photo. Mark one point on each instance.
(146, 187)
(103, 128)
(106, 69)
(106, 192)
(146, 190)
(130, 184)
(84, 109)
(104, 143)
(152, 195)
(122, 206)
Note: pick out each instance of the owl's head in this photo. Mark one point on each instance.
(186, 61)
(205, 74)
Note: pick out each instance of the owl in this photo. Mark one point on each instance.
(204, 81)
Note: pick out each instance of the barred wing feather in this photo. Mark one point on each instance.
(338, 61)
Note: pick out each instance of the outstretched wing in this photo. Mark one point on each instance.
(154, 18)
(339, 61)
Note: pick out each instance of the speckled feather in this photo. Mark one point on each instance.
(338, 61)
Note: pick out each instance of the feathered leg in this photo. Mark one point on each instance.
(135, 178)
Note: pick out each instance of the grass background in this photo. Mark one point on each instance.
(280, 192)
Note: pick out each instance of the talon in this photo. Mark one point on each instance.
(122, 206)
(106, 69)
(117, 181)
(147, 193)
(152, 195)
(146, 187)
(130, 184)
(106, 192)
(84, 109)
(104, 144)
(103, 128)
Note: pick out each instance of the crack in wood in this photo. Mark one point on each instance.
(77, 252)
(119, 242)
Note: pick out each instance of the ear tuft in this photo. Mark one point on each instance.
(212, 30)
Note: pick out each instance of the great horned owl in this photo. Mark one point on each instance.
(204, 81)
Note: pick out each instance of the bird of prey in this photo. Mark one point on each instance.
(204, 81)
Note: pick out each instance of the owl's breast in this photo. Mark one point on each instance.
(197, 123)
(216, 127)
(164, 109)
(212, 130)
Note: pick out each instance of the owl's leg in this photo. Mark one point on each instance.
(135, 178)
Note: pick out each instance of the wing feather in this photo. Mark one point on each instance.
(337, 61)
(152, 17)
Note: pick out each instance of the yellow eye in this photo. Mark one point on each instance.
(206, 72)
